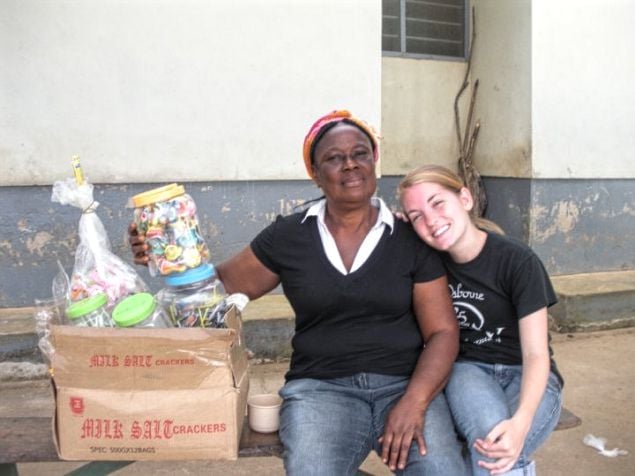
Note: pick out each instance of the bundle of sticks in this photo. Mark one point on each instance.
(467, 138)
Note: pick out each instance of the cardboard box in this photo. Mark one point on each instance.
(149, 394)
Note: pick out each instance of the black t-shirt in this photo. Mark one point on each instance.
(504, 283)
(345, 324)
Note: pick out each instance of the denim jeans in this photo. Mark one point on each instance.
(328, 427)
(482, 395)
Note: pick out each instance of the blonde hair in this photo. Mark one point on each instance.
(449, 180)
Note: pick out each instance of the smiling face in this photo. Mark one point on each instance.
(440, 216)
(344, 165)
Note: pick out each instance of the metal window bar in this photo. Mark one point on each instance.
(402, 26)
(437, 40)
(433, 22)
(404, 37)
(436, 4)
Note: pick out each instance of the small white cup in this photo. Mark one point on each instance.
(264, 412)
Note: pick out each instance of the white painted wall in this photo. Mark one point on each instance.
(583, 101)
(418, 113)
(502, 64)
(178, 89)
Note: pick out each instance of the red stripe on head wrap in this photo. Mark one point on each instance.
(331, 117)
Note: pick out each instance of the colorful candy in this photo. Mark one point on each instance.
(167, 217)
(116, 282)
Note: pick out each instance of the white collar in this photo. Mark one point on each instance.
(385, 216)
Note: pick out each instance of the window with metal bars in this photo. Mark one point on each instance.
(424, 28)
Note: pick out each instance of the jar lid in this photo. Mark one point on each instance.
(158, 194)
(86, 306)
(133, 309)
(193, 275)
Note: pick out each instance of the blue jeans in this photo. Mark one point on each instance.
(482, 395)
(328, 427)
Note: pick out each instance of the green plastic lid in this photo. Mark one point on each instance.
(86, 306)
(133, 309)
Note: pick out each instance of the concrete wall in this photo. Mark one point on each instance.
(555, 97)
(502, 64)
(567, 215)
(418, 112)
(556, 144)
(574, 225)
(577, 221)
(35, 233)
(583, 144)
(191, 90)
(582, 226)
(582, 88)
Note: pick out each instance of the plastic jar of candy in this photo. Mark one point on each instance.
(194, 298)
(167, 217)
(90, 312)
(140, 310)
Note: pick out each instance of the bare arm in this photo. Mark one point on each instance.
(245, 273)
(439, 328)
(506, 440)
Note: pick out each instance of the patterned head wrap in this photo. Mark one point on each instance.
(332, 118)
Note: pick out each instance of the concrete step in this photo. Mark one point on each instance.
(268, 324)
(18, 341)
(587, 302)
(594, 301)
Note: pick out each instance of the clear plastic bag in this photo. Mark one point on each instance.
(47, 312)
(96, 269)
(50, 311)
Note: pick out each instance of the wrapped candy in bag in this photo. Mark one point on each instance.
(96, 269)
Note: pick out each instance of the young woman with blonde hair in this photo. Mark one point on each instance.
(504, 391)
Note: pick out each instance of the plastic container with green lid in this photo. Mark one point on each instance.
(140, 310)
(90, 312)
(167, 217)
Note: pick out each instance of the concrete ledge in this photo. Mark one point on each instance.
(269, 323)
(594, 301)
(19, 347)
(271, 306)
(587, 302)
(17, 320)
(18, 340)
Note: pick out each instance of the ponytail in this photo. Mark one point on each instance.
(487, 225)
